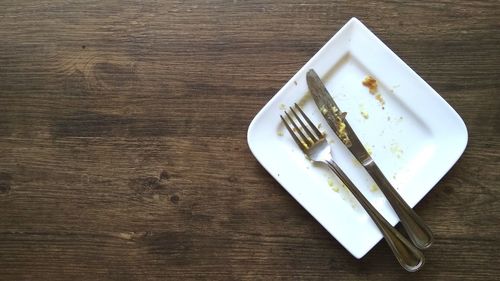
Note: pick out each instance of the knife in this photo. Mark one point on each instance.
(419, 233)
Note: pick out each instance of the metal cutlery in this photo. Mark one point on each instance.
(417, 230)
(315, 146)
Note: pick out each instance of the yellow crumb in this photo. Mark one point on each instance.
(330, 181)
(332, 185)
(373, 187)
(324, 110)
(282, 106)
(380, 99)
(363, 111)
(279, 133)
(396, 150)
(341, 127)
(369, 150)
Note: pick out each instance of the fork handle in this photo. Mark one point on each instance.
(415, 227)
(407, 255)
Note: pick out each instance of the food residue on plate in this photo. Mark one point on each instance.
(372, 85)
(380, 99)
(373, 187)
(368, 150)
(396, 150)
(363, 111)
(332, 185)
(282, 106)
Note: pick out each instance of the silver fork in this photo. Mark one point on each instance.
(314, 144)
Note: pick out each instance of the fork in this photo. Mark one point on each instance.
(315, 146)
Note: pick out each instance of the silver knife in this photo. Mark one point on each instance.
(417, 230)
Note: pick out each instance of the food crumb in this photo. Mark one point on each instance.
(332, 185)
(396, 150)
(295, 82)
(279, 133)
(330, 181)
(324, 110)
(369, 150)
(370, 83)
(282, 106)
(363, 111)
(341, 126)
(373, 188)
(380, 99)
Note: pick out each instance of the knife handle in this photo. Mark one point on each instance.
(407, 255)
(419, 233)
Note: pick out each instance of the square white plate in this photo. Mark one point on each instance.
(415, 136)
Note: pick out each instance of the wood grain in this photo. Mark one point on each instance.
(123, 139)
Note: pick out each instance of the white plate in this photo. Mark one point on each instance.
(416, 136)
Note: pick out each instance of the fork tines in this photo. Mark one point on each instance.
(299, 133)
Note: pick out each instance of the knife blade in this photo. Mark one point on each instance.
(417, 230)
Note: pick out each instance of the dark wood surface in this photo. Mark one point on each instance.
(123, 151)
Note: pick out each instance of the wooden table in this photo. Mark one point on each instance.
(123, 139)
